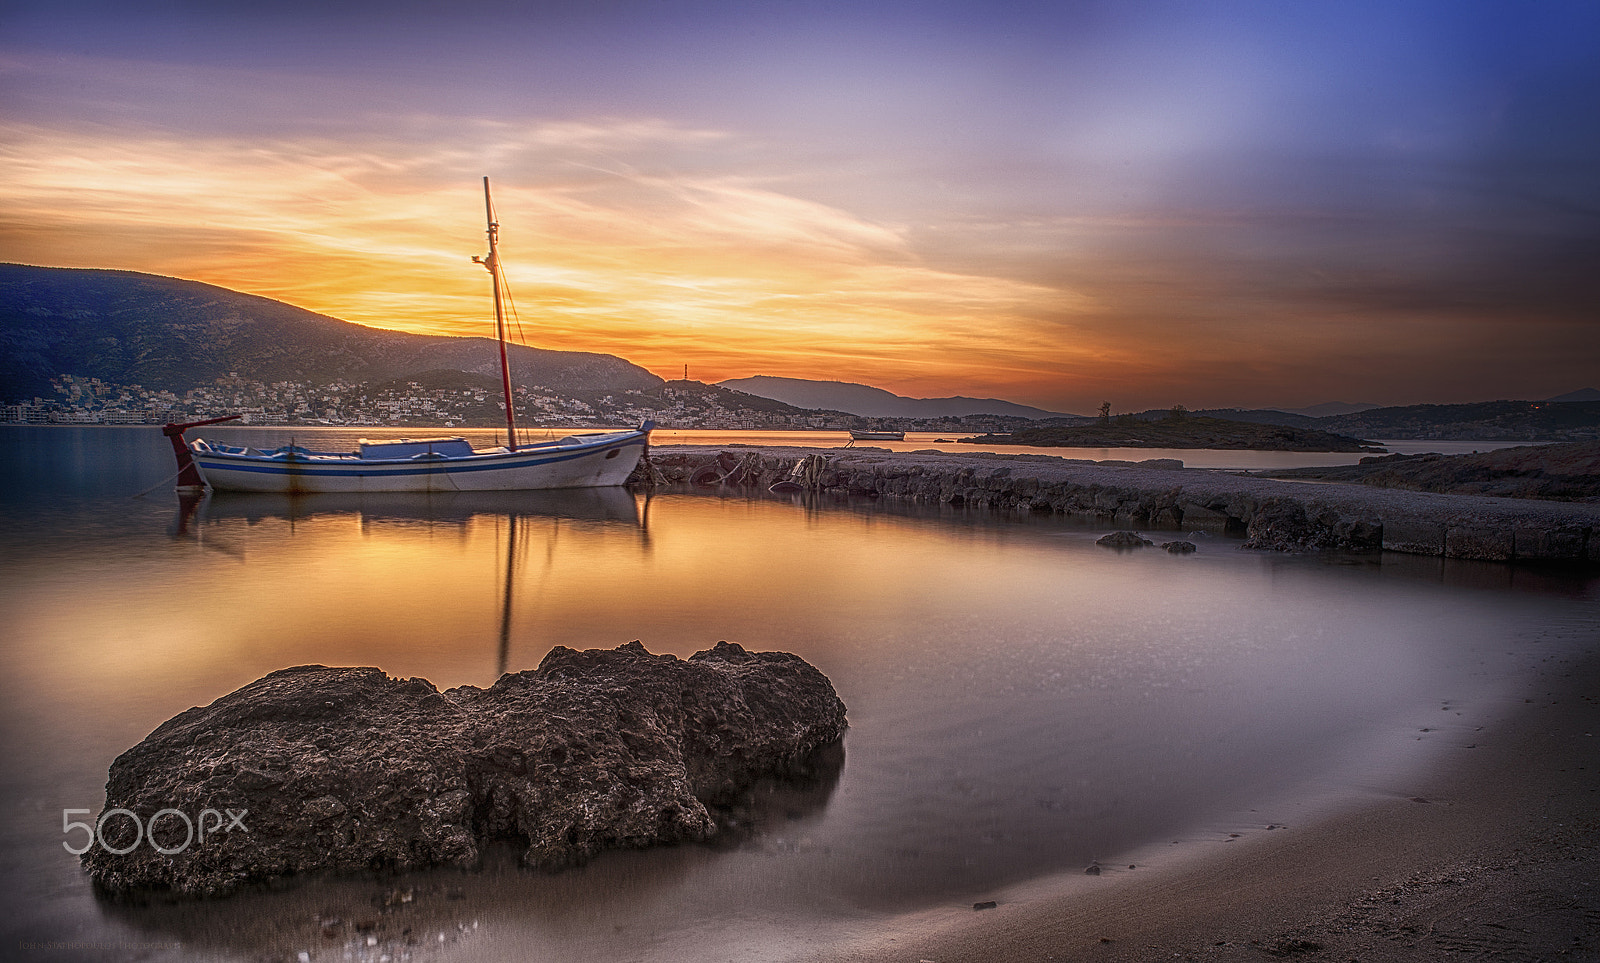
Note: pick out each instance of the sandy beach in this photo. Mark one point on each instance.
(1493, 854)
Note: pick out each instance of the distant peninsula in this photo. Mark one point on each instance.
(1564, 472)
(865, 400)
(1192, 431)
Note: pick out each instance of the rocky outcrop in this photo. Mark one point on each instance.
(1289, 524)
(1123, 540)
(1271, 514)
(348, 769)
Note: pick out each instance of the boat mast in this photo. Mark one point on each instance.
(492, 262)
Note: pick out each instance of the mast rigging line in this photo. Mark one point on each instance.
(523, 431)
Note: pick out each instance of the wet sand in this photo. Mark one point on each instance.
(1495, 854)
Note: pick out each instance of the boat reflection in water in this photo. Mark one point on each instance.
(520, 522)
(611, 504)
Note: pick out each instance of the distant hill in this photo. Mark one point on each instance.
(1190, 431)
(1329, 408)
(858, 399)
(1485, 421)
(730, 399)
(1254, 416)
(1564, 472)
(1582, 394)
(166, 333)
(1573, 419)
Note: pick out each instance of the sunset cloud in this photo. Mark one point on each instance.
(720, 273)
(1240, 205)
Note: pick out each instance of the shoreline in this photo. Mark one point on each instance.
(1497, 852)
(1158, 494)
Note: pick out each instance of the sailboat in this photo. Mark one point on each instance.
(592, 459)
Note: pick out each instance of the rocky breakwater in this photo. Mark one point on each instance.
(1158, 494)
(346, 769)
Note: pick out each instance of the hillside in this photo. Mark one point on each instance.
(1188, 432)
(1582, 394)
(873, 402)
(1486, 421)
(1571, 417)
(1254, 416)
(1328, 408)
(165, 333)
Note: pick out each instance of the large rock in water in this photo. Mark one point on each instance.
(347, 769)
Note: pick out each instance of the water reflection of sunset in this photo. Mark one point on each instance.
(417, 584)
(1020, 699)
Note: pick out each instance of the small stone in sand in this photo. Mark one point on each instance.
(1092, 870)
(986, 904)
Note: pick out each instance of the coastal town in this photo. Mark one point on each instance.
(450, 403)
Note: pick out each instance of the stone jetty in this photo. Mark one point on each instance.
(346, 769)
(1158, 494)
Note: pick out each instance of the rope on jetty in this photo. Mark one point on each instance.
(745, 471)
(808, 471)
(652, 474)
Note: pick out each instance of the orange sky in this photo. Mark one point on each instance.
(1187, 208)
(730, 277)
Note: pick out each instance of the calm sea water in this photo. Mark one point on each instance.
(1021, 701)
(1215, 459)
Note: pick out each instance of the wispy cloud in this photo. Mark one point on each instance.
(664, 268)
(1157, 203)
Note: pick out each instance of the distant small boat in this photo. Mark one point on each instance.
(857, 434)
(590, 460)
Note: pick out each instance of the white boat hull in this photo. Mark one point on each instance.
(590, 461)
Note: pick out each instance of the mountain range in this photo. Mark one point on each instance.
(1329, 408)
(163, 333)
(169, 334)
(1549, 420)
(858, 399)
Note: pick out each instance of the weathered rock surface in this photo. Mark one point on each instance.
(347, 769)
(1272, 514)
(1179, 547)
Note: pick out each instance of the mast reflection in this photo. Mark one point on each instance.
(223, 521)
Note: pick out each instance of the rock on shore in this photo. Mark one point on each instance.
(1271, 514)
(348, 769)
